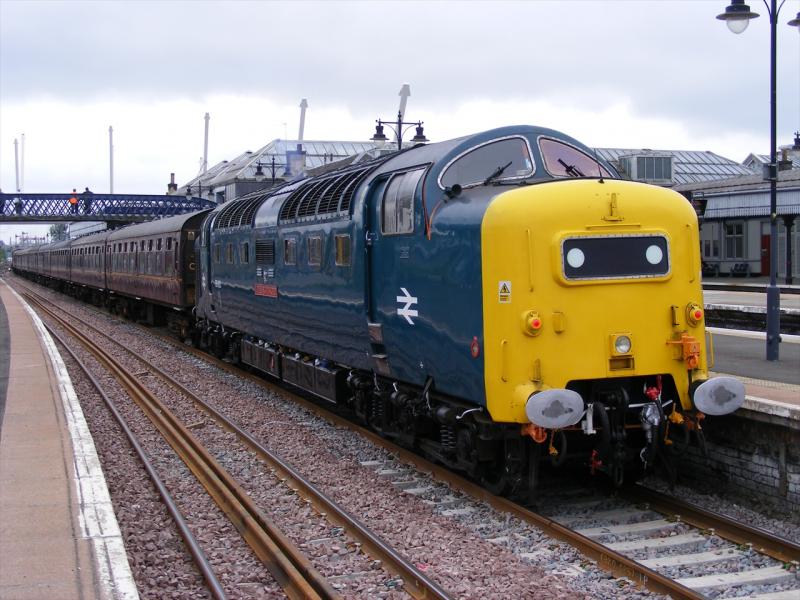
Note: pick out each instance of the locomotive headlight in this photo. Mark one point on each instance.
(622, 344)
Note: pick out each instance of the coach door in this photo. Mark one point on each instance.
(393, 231)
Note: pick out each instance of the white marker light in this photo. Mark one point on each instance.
(575, 258)
(654, 254)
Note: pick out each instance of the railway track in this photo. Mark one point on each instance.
(651, 573)
(287, 563)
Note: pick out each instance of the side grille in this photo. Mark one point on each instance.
(265, 252)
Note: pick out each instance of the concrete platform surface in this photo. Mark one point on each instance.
(56, 539)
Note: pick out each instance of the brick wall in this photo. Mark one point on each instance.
(749, 454)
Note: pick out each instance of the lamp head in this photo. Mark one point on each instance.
(737, 16)
(795, 22)
(379, 138)
(419, 138)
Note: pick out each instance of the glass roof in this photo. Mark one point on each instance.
(688, 166)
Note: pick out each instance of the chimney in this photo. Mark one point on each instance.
(172, 187)
(784, 163)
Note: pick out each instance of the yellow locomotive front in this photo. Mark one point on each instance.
(593, 319)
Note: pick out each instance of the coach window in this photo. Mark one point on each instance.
(244, 253)
(169, 243)
(398, 202)
(342, 250)
(290, 251)
(512, 155)
(150, 245)
(229, 254)
(314, 250)
(158, 245)
(563, 160)
(217, 253)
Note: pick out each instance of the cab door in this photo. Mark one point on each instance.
(394, 230)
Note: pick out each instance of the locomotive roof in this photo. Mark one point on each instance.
(166, 225)
(272, 204)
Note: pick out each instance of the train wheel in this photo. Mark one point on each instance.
(493, 474)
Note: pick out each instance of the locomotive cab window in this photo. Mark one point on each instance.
(563, 160)
(506, 159)
(397, 209)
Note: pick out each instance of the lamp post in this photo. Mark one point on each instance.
(737, 17)
(397, 126)
(259, 174)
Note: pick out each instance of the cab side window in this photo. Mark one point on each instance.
(397, 210)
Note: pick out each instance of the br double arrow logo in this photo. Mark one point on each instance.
(407, 300)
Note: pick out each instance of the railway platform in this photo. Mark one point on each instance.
(59, 537)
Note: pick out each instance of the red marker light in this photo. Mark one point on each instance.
(475, 348)
(694, 314)
(536, 323)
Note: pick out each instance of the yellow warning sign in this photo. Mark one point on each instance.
(504, 292)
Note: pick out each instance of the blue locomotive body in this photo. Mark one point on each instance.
(376, 267)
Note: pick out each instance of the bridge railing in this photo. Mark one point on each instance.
(88, 206)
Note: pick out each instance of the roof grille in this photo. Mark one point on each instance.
(239, 212)
(327, 197)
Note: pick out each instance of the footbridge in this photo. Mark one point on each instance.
(115, 209)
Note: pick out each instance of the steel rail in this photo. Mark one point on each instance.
(609, 560)
(192, 545)
(292, 570)
(415, 583)
(763, 541)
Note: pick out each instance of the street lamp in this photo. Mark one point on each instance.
(380, 138)
(260, 175)
(737, 16)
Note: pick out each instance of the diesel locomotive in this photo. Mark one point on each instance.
(494, 301)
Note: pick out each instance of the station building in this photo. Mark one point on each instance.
(732, 197)
(733, 202)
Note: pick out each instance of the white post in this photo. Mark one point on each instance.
(16, 162)
(303, 107)
(22, 163)
(205, 145)
(110, 159)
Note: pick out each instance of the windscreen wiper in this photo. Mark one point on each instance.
(497, 172)
(570, 169)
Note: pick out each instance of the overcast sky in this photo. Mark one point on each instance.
(662, 74)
